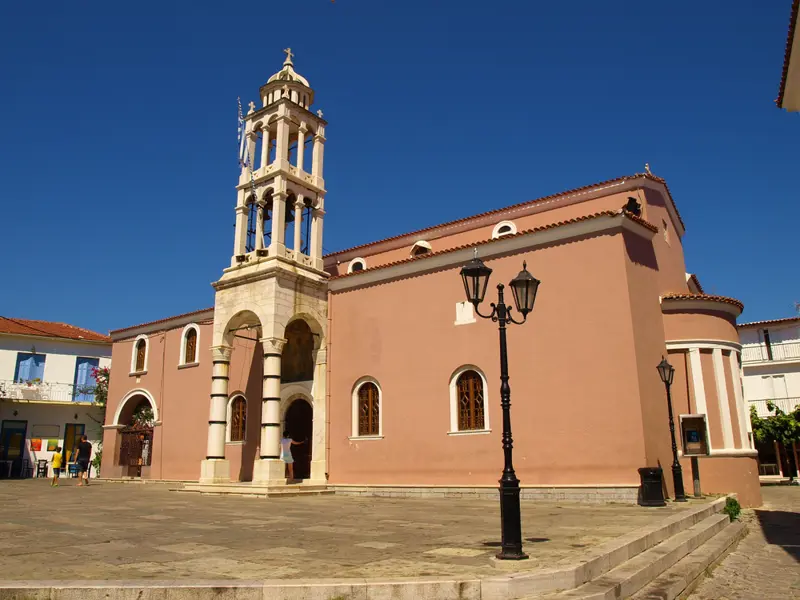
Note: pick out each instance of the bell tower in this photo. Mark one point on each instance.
(275, 278)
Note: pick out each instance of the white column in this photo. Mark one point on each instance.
(298, 222)
(269, 467)
(277, 244)
(315, 249)
(317, 155)
(251, 153)
(301, 142)
(282, 143)
(741, 409)
(722, 398)
(699, 388)
(260, 225)
(215, 469)
(265, 148)
(240, 232)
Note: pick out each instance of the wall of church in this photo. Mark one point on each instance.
(577, 412)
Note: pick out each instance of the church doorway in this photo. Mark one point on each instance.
(299, 423)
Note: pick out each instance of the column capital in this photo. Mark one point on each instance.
(320, 137)
(272, 344)
(303, 127)
(319, 212)
(279, 195)
(222, 353)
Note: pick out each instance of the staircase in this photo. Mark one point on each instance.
(658, 566)
(255, 490)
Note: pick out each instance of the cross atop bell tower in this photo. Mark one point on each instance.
(281, 190)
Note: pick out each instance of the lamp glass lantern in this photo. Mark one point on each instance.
(666, 371)
(524, 287)
(475, 276)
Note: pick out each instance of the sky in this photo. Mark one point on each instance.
(118, 154)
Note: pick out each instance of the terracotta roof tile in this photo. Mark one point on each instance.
(708, 297)
(515, 206)
(788, 52)
(605, 213)
(49, 329)
(189, 314)
(771, 322)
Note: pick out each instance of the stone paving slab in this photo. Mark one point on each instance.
(132, 532)
(766, 564)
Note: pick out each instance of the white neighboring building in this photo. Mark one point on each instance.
(771, 368)
(45, 372)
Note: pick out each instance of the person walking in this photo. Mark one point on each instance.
(84, 455)
(286, 453)
(56, 464)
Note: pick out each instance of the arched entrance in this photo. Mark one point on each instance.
(299, 422)
(137, 416)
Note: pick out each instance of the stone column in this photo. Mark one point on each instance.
(215, 469)
(240, 233)
(722, 398)
(317, 155)
(265, 148)
(277, 244)
(301, 142)
(298, 222)
(282, 143)
(741, 410)
(260, 225)
(251, 153)
(315, 250)
(319, 466)
(269, 468)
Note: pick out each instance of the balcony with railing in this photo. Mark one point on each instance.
(781, 351)
(40, 391)
(787, 405)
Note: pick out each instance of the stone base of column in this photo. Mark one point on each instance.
(318, 471)
(269, 471)
(215, 471)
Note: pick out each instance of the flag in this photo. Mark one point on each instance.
(243, 159)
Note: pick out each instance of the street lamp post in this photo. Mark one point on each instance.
(667, 372)
(475, 276)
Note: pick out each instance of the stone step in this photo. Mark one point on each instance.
(632, 575)
(684, 576)
(254, 490)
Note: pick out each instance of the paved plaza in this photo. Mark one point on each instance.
(129, 532)
(766, 564)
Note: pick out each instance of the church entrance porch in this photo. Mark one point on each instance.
(299, 424)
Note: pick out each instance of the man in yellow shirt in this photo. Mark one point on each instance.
(57, 458)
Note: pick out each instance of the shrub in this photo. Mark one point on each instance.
(732, 508)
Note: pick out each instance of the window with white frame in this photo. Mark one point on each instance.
(367, 421)
(504, 228)
(237, 419)
(468, 406)
(139, 355)
(357, 264)
(189, 345)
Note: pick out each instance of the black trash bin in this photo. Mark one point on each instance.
(651, 492)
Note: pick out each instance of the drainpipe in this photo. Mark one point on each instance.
(328, 394)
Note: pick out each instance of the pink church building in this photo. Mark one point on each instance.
(372, 357)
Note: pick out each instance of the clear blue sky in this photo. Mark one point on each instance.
(118, 132)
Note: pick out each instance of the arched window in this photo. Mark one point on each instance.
(368, 410)
(252, 218)
(238, 419)
(190, 346)
(470, 401)
(420, 248)
(357, 264)
(504, 228)
(139, 358)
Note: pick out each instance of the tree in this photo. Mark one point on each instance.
(781, 427)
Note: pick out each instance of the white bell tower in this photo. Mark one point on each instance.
(276, 276)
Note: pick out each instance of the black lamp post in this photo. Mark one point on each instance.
(667, 372)
(524, 286)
